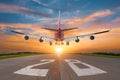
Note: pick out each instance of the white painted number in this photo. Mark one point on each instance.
(91, 70)
(35, 72)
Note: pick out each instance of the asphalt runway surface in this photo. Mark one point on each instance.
(65, 67)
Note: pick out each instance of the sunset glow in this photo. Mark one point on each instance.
(88, 16)
(59, 51)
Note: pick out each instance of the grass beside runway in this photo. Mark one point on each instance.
(102, 54)
(19, 54)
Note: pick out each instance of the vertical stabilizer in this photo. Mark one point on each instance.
(59, 21)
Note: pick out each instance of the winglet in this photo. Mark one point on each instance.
(59, 15)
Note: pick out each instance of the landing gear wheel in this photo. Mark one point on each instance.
(67, 43)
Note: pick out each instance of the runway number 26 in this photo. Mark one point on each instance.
(90, 70)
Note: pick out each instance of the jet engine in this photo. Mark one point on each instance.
(77, 40)
(92, 37)
(26, 37)
(41, 40)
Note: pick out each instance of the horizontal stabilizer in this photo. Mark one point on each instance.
(49, 29)
(62, 29)
(17, 32)
(70, 29)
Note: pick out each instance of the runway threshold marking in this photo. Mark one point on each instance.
(91, 70)
(35, 72)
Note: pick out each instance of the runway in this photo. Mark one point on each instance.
(65, 67)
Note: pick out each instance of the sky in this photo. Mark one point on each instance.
(89, 16)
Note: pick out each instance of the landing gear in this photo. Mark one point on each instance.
(62, 43)
(50, 43)
(67, 43)
(59, 43)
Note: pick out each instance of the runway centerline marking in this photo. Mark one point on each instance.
(91, 70)
(35, 72)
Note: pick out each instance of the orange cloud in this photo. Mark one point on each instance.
(91, 17)
(36, 28)
(100, 14)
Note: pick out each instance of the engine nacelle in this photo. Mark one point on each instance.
(77, 40)
(26, 37)
(41, 40)
(92, 37)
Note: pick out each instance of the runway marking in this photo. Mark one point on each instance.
(35, 72)
(86, 71)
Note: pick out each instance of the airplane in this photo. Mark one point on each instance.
(59, 35)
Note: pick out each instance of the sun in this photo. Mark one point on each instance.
(59, 50)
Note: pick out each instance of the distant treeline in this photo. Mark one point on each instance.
(102, 54)
(107, 53)
(20, 53)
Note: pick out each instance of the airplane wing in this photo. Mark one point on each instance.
(27, 35)
(91, 35)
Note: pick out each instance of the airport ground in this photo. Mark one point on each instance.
(64, 67)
